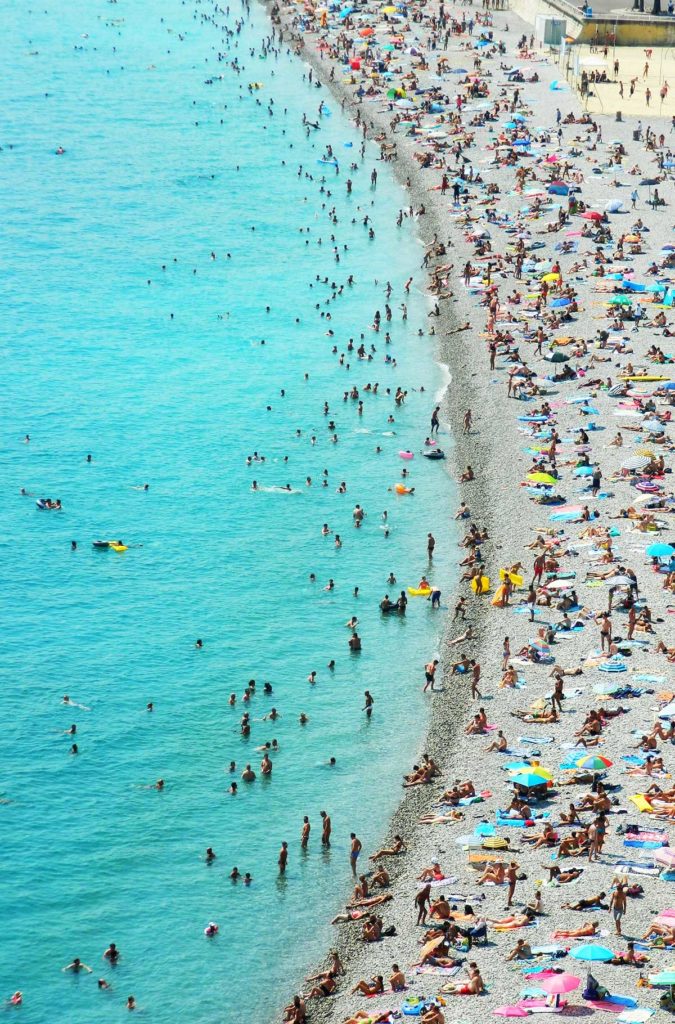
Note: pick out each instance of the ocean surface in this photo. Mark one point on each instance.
(170, 158)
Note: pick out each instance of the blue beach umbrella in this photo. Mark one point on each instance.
(660, 550)
(592, 952)
(583, 471)
(558, 303)
(528, 780)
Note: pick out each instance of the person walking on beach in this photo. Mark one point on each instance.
(423, 903)
(468, 421)
(325, 829)
(429, 675)
(354, 850)
(617, 905)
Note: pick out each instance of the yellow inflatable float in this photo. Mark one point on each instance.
(416, 592)
(484, 585)
(400, 489)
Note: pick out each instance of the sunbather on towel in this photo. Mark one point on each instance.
(594, 902)
(586, 930)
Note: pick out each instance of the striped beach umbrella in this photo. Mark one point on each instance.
(594, 762)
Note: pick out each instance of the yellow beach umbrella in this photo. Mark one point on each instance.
(542, 478)
(534, 770)
(389, 10)
(551, 277)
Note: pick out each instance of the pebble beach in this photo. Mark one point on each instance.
(548, 239)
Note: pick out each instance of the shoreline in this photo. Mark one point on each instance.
(509, 525)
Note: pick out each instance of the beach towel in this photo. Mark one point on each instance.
(447, 972)
(535, 739)
(633, 868)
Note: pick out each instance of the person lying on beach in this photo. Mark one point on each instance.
(666, 932)
(588, 903)
(393, 851)
(468, 634)
(555, 875)
(543, 717)
(586, 930)
(370, 988)
(441, 819)
(371, 901)
(363, 1017)
(512, 921)
(573, 844)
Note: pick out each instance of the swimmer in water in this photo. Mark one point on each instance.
(112, 954)
(71, 703)
(131, 1003)
(76, 966)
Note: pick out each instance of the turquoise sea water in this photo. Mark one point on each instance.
(93, 363)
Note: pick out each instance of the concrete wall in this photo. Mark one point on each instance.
(633, 31)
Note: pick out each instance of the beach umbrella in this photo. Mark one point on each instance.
(662, 978)
(649, 181)
(459, 71)
(557, 303)
(619, 581)
(652, 425)
(660, 550)
(594, 762)
(528, 780)
(535, 769)
(559, 983)
(365, 32)
(430, 946)
(620, 300)
(542, 478)
(557, 86)
(583, 471)
(615, 206)
(551, 277)
(636, 462)
(591, 215)
(559, 584)
(593, 952)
